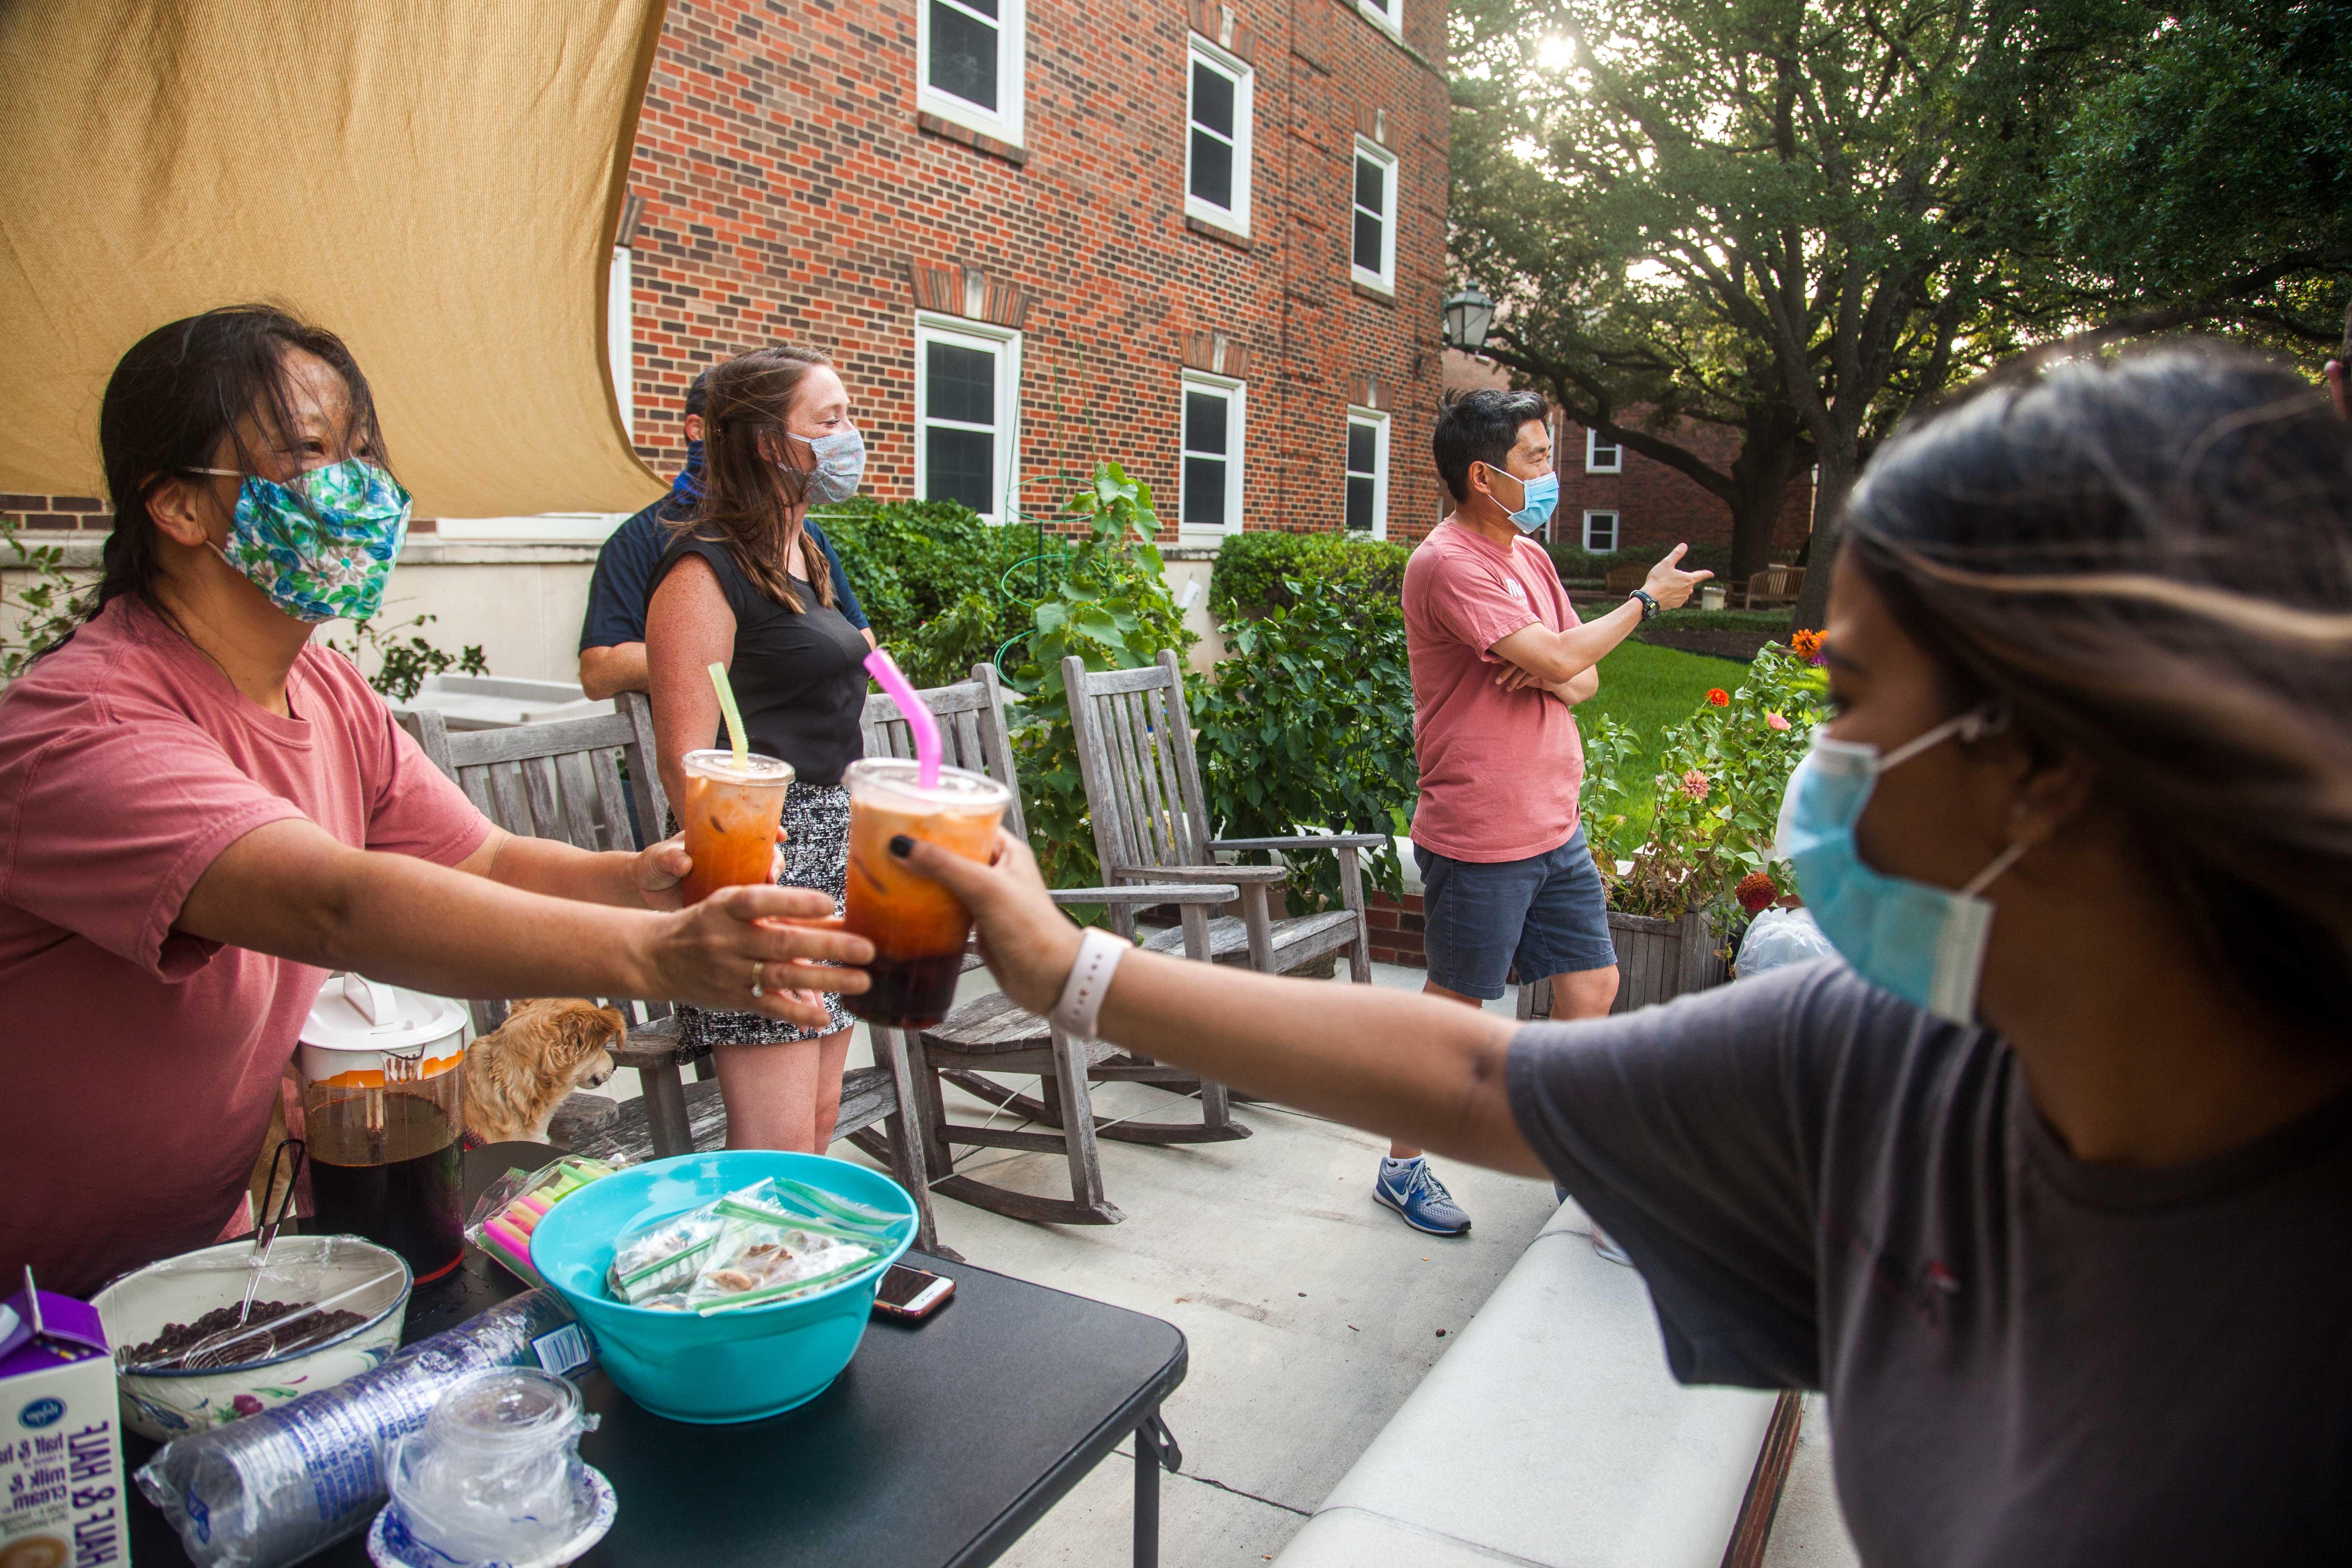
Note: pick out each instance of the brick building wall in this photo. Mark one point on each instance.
(1657, 507)
(787, 186)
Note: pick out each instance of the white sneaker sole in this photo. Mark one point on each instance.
(1381, 1195)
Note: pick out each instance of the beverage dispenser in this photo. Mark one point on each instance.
(383, 1103)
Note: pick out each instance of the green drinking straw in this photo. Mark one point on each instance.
(734, 717)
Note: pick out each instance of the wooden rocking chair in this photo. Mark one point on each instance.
(992, 1037)
(1151, 823)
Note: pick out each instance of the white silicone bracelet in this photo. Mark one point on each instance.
(1081, 994)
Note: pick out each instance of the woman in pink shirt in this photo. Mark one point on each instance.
(202, 813)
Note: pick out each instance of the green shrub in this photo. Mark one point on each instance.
(1109, 606)
(1307, 723)
(1713, 798)
(931, 577)
(1250, 568)
(45, 607)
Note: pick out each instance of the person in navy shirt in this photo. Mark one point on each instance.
(613, 633)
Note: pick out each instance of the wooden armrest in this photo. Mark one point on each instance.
(1155, 893)
(648, 1044)
(1206, 873)
(1306, 841)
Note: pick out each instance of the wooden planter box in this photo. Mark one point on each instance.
(1656, 962)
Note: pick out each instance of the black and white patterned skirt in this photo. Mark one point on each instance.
(816, 854)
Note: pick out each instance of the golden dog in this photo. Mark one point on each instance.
(517, 1075)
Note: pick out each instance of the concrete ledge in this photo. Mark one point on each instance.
(1550, 1435)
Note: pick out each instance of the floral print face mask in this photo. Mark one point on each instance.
(322, 547)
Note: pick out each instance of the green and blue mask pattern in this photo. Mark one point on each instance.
(322, 547)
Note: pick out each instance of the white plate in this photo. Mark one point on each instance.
(391, 1546)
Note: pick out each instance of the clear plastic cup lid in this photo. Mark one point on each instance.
(506, 1411)
(899, 779)
(755, 769)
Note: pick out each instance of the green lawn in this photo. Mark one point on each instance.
(1648, 688)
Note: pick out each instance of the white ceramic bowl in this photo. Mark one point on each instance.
(165, 1404)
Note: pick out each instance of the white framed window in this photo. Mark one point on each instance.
(1600, 531)
(1372, 255)
(1389, 13)
(620, 338)
(970, 55)
(1211, 457)
(967, 414)
(1602, 456)
(1368, 472)
(1217, 138)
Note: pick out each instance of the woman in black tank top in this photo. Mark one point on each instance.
(742, 584)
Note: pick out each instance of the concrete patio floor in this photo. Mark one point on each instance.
(1311, 1312)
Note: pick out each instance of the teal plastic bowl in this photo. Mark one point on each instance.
(731, 1366)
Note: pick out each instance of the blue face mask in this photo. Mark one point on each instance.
(323, 546)
(1925, 943)
(1541, 495)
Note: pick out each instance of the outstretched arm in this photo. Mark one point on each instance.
(1404, 1065)
(289, 888)
(1554, 658)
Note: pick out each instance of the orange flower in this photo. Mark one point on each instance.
(1718, 697)
(1807, 645)
(1756, 892)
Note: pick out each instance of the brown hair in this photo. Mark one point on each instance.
(2147, 558)
(748, 496)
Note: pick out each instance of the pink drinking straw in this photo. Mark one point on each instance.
(884, 669)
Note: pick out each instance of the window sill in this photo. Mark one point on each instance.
(1218, 232)
(978, 140)
(1374, 292)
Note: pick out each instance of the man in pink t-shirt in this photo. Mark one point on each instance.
(1498, 660)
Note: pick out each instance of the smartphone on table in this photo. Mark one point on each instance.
(910, 1295)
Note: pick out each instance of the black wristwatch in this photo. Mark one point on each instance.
(1650, 607)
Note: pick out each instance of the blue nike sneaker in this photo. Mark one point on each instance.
(1414, 1190)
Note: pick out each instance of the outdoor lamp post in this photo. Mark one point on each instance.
(1467, 316)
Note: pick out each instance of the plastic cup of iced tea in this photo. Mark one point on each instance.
(918, 927)
(730, 814)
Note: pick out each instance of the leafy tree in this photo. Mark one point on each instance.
(1835, 198)
(2208, 179)
(1573, 321)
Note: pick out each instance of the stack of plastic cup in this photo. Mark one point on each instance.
(495, 1476)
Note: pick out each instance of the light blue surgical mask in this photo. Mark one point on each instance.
(1925, 943)
(1541, 495)
(840, 465)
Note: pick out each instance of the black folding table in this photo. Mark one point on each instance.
(941, 1443)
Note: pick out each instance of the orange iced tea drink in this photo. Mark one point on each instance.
(918, 927)
(730, 815)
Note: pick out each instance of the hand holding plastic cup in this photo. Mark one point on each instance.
(918, 927)
(730, 806)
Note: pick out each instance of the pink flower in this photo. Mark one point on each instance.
(246, 1405)
(1774, 720)
(1694, 784)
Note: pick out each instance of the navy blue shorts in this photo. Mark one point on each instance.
(1545, 915)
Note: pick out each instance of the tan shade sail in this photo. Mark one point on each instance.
(437, 181)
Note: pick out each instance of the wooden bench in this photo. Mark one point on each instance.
(1773, 585)
(1625, 579)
